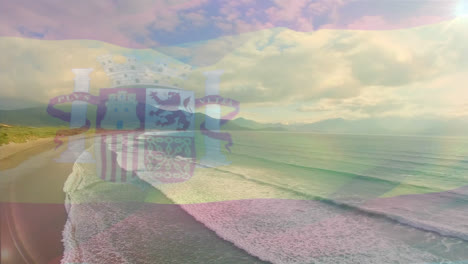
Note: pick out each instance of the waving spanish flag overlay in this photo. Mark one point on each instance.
(202, 131)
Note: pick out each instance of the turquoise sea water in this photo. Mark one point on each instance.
(359, 166)
(409, 191)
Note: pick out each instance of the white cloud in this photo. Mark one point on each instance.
(337, 73)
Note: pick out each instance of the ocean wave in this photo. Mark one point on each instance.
(377, 156)
(311, 148)
(288, 231)
(371, 209)
(350, 174)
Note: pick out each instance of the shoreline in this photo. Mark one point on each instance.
(13, 148)
(186, 237)
(10, 153)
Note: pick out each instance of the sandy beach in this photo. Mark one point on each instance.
(8, 152)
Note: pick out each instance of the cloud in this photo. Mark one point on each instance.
(284, 66)
(322, 74)
(126, 23)
(370, 103)
(151, 23)
(38, 70)
(350, 74)
(442, 97)
(381, 23)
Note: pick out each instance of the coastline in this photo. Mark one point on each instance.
(196, 218)
(35, 205)
(142, 214)
(9, 152)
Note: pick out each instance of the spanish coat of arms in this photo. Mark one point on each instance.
(144, 124)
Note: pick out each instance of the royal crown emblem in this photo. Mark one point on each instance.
(131, 73)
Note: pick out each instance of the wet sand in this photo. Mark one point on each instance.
(8, 152)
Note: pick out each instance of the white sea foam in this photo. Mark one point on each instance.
(300, 231)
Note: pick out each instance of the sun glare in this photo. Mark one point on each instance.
(462, 8)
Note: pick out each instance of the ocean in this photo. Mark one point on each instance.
(323, 198)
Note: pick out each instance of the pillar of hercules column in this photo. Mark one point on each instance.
(77, 143)
(213, 155)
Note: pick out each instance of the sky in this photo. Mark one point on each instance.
(285, 61)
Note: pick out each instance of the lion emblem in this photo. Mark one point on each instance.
(168, 112)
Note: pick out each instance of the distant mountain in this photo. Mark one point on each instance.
(383, 126)
(36, 116)
(253, 125)
(14, 103)
(248, 123)
(229, 126)
(389, 126)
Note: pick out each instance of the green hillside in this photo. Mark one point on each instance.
(38, 116)
(20, 134)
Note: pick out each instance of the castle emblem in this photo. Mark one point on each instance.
(121, 112)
